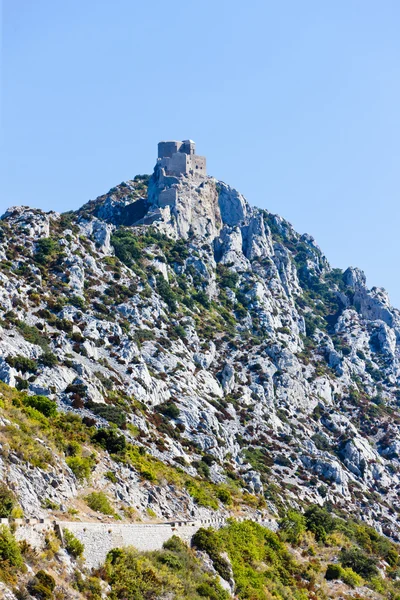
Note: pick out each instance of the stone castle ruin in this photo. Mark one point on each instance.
(180, 158)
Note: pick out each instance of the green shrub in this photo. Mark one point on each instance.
(227, 278)
(349, 577)
(333, 571)
(110, 440)
(80, 466)
(112, 414)
(293, 527)
(21, 384)
(73, 546)
(222, 567)
(202, 469)
(175, 544)
(171, 560)
(7, 501)
(179, 331)
(202, 298)
(207, 541)
(169, 409)
(320, 522)
(261, 564)
(99, 502)
(73, 448)
(201, 494)
(321, 442)
(126, 247)
(224, 496)
(77, 301)
(359, 562)
(10, 551)
(22, 363)
(44, 405)
(32, 334)
(371, 541)
(111, 476)
(48, 359)
(210, 590)
(89, 587)
(144, 335)
(166, 293)
(50, 504)
(173, 572)
(42, 586)
(46, 250)
(380, 585)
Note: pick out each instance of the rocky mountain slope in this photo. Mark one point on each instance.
(208, 336)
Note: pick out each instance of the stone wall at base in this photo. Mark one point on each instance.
(99, 538)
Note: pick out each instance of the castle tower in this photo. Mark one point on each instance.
(180, 158)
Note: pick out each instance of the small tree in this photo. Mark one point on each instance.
(99, 502)
(293, 527)
(10, 551)
(110, 440)
(73, 546)
(47, 407)
(7, 501)
(320, 522)
(42, 586)
(358, 560)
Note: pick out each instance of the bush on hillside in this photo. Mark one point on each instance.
(22, 363)
(110, 440)
(73, 546)
(44, 405)
(7, 501)
(80, 466)
(293, 527)
(99, 502)
(42, 586)
(357, 560)
(320, 522)
(10, 553)
(113, 414)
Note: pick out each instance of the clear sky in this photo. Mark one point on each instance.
(295, 103)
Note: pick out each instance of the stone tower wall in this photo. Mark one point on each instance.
(179, 158)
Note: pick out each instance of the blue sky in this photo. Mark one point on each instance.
(294, 103)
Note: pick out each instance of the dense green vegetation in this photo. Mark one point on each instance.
(99, 502)
(42, 586)
(11, 560)
(261, 564)
(7, 501)
(172, 572)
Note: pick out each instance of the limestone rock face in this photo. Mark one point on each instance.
(233, 206)
(192, 203)
(226, 338)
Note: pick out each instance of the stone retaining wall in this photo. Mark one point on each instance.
(100, 538)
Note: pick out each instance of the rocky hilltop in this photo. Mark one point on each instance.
(211, 338)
